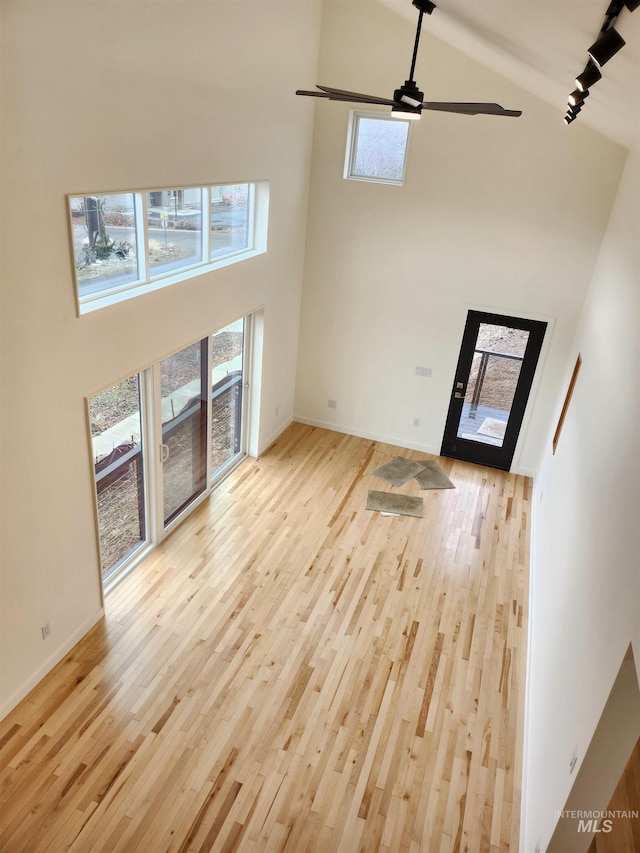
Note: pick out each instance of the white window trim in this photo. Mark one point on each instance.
(257, 228)
(350, 155)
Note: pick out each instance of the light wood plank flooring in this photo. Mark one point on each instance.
(624, 832)
(291, 672)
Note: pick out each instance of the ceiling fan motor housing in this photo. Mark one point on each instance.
(411, 92)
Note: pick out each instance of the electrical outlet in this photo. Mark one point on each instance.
(423, 371)
(416, 421)
(574, 759)
(333, 404)
(538, 846)
(46, 630)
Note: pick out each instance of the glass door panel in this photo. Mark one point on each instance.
(226, 395)
(183, 391)
(496, 366)
(116, 435)
(493, 378)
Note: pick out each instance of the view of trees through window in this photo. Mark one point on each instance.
(125, 239)
(116, 430)
(197, 394)
(104, 241)
(378, 148)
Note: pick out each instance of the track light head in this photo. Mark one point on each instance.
(607, 45)
(589, 76)
(577, 97)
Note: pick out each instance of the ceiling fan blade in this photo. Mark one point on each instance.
(312, 94)
(470, 109)
(357, 99)
(356, 96)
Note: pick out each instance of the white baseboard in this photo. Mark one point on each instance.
(525, 472)
(46, 667)
(374, 436)
(266, 444)
(389, 439)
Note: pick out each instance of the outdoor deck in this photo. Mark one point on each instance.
(472, 421)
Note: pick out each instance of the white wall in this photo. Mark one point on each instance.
(121, 95)
(500, 214)
(585, 586)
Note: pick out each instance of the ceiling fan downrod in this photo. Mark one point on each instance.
(423, 6)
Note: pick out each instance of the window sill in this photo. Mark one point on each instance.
(130, 291)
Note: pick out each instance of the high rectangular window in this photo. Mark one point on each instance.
(103, 230)
(129, 243)
(230, 223)
(174, 229)
(376, 148)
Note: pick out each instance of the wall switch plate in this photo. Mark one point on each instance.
(423, 371)
(332, 404)
(416, 421)
(46, 630)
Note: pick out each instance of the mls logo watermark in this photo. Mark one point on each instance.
(598, 821)
(591, 825)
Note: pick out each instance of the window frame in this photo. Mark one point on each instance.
(352, 140)
(147, 281)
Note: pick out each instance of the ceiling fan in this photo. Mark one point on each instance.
(407, 101)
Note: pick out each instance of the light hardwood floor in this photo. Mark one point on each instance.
(624, 834)
(291, 672)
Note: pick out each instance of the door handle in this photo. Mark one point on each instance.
(164, 452)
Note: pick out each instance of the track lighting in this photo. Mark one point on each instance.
(589, 76)
(607, 45)
(577, 97)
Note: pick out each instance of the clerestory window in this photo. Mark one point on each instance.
(129, 243)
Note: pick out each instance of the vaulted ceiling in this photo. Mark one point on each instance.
(542, 46)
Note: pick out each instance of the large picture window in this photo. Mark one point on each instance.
(129, 243)
(376, 148)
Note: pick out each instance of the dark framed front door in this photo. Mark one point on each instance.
(496, 366)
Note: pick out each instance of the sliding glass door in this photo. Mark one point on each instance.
(183, 407)
(227, 383)
(115, 417)
(162, 438)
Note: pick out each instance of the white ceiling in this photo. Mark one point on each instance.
(542, 46)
